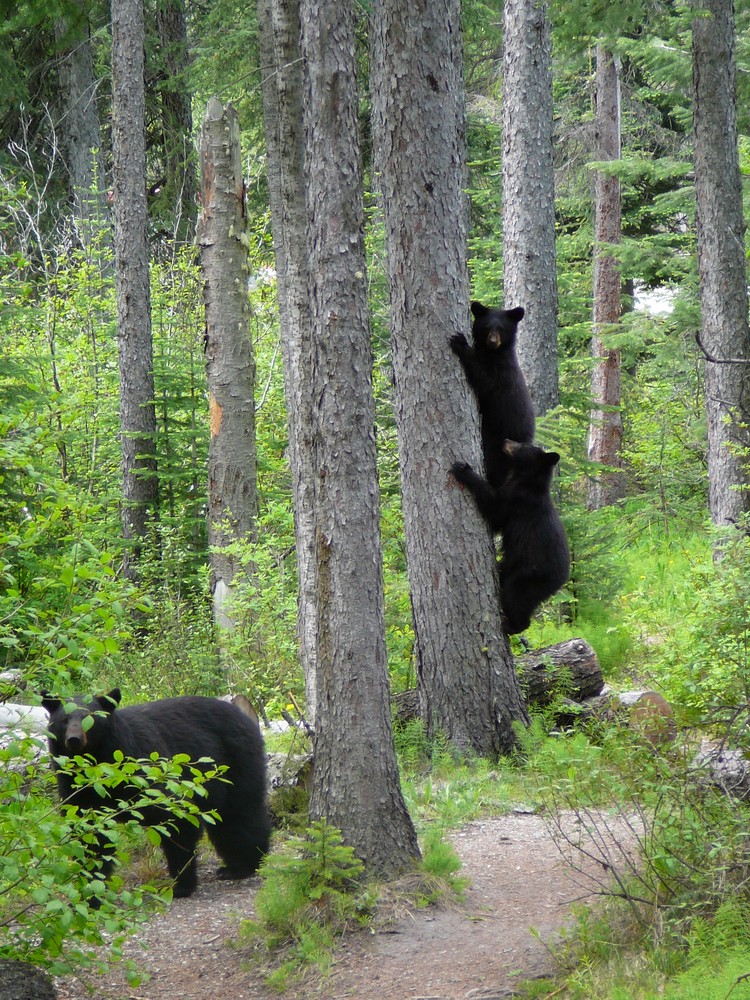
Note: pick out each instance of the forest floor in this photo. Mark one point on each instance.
(516, 909)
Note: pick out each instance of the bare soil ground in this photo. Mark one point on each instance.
(478, 950)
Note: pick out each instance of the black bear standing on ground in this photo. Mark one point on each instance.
(198, 727)
(536, 560)
(494, 374)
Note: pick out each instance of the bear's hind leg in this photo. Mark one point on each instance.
(516, 604)
(241, 845)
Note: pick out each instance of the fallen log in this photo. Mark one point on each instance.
(570, 668)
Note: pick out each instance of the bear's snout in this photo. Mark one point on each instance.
(75, 737)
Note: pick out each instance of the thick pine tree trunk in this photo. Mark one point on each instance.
(529, 270)
(605, 432)
(721, 257)
(282, 82)
(467, 686)
(230, 365)
(355, 781)
(137, 413)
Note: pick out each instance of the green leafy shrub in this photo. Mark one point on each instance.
(705, 663)
(56, 908)
(63, 609)
(681, 849)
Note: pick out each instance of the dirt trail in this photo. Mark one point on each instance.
(480, 951)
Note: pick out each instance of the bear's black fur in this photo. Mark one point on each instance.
(494, 374)
(536, 560)
(198, 727)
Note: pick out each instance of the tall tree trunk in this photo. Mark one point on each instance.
(356, 782)
(137, 412)
(79, 123)
(605, 432)
(466, 680)
(529, 270)
(230, 365)
(721, 257)
(177, 118)
(282, 82)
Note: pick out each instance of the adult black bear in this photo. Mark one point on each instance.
(494, 374)
(536, 560)
(198, 727)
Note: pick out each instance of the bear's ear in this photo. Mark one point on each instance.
(50, 704)
(110, 701)
(552, 457)
(478, 309)
(516, 315)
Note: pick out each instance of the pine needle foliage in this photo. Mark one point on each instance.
(310, 895)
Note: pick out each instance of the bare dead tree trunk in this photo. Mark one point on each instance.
(605, 431)
(137, 412)
(721, 258)
(467, 685)
(355, 781)
(529, 270)
(282, 82)
(230, 364)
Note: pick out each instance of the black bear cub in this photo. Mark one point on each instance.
(198, 727)
(494, 374)
(536, 560)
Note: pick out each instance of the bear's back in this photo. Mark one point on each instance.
(191, 724)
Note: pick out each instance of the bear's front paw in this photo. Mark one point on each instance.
(459, 343)
(462, 471)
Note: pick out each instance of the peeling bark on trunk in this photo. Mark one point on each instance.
(137, 412)
(721, 258)
(529, 270)
(356, 781)
(605, 432)
(467, 686)
(230, 365)
(282, 82)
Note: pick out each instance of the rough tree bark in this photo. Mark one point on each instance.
(137, 413)
(467, 685)
(529, 270)
(230, 365)
(605, 431)
(282, 83)
(721, 258)
(355, 782)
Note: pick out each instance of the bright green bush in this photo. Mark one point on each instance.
(704, 663)
(56, 909)
(309, 895)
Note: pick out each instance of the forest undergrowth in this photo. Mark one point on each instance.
(646, 591)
